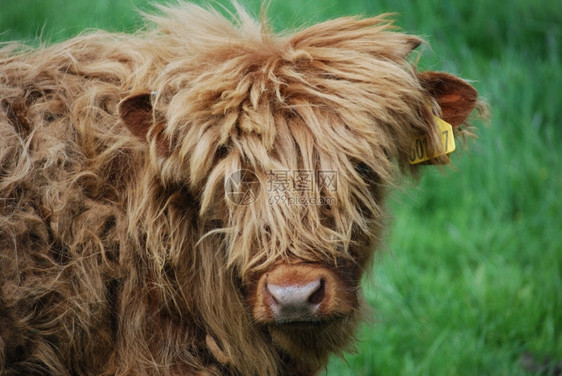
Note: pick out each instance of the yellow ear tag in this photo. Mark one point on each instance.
(418, 149)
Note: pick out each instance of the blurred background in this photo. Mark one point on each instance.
(469, 281)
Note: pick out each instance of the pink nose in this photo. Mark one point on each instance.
(300, 293)
(294, 302)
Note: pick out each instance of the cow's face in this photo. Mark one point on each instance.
(288, 150)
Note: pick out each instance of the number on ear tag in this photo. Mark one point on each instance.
(418, 149)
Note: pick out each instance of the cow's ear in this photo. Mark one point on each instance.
(413, 42)
(456, 97)
(136, 113)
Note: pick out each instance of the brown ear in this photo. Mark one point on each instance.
(136, 112)
(456, 97)
(413, 42)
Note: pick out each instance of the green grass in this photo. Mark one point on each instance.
(471, 275)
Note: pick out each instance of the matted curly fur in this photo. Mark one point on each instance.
(120, 253)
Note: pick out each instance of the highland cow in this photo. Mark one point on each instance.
(204, 196)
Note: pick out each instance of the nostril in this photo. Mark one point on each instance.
(269, 296)
(317, 296)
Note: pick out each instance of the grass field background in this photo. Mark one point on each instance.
(469, 282)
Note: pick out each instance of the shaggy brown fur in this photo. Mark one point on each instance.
(120, 253)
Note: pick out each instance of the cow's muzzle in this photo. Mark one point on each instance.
(301, 294)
